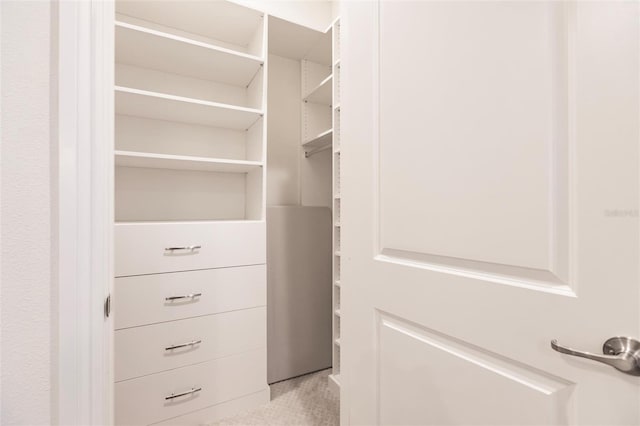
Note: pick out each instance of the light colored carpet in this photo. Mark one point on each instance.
(303, 401)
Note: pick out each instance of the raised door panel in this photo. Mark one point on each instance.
(476, 169)
(413, 392)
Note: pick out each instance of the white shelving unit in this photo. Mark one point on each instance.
(317, 90)
(320, 128)
(337, 229)
(190, 199)
(190, 136)
(310, 162)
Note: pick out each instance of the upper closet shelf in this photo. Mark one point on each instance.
(321, 94)
(180, 162)
(159, 106)
(219, 20)
(296, 41)
(147, 48)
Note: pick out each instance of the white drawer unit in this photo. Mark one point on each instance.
(157, 247)
(144, 350)
(148, 299)
(161, 396)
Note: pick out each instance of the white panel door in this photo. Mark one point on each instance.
(490, 204)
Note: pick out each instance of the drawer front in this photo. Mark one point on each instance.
(220, 411)
(142, 300)
(145, 350)
(144, 248)
(143, 400)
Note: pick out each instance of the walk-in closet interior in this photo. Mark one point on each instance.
(227, 207)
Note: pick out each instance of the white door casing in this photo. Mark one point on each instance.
(84, 220)
(491, 156)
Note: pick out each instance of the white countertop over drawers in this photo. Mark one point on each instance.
(157, 247)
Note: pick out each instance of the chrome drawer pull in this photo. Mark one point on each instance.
(189, 248)
(183, 345)
(178, 395)
(186, 296)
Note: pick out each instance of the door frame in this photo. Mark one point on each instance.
(82, 54)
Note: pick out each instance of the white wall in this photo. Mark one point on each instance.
(26, 291)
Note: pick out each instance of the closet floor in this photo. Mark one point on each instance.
(305, 400)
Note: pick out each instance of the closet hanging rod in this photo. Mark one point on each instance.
(308, 154)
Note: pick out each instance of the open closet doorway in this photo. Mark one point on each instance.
(226, 204)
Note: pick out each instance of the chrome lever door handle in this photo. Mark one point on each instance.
(621, 353)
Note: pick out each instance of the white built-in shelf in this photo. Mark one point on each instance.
(321, 94)
(294, 41)
(318, 143)
(323, 139)
(147, 48)
(181, 162)
(160, 106)
(320, 53)
(217, 20)
(338, 284)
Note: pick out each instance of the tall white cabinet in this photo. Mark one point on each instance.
(190, 286)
